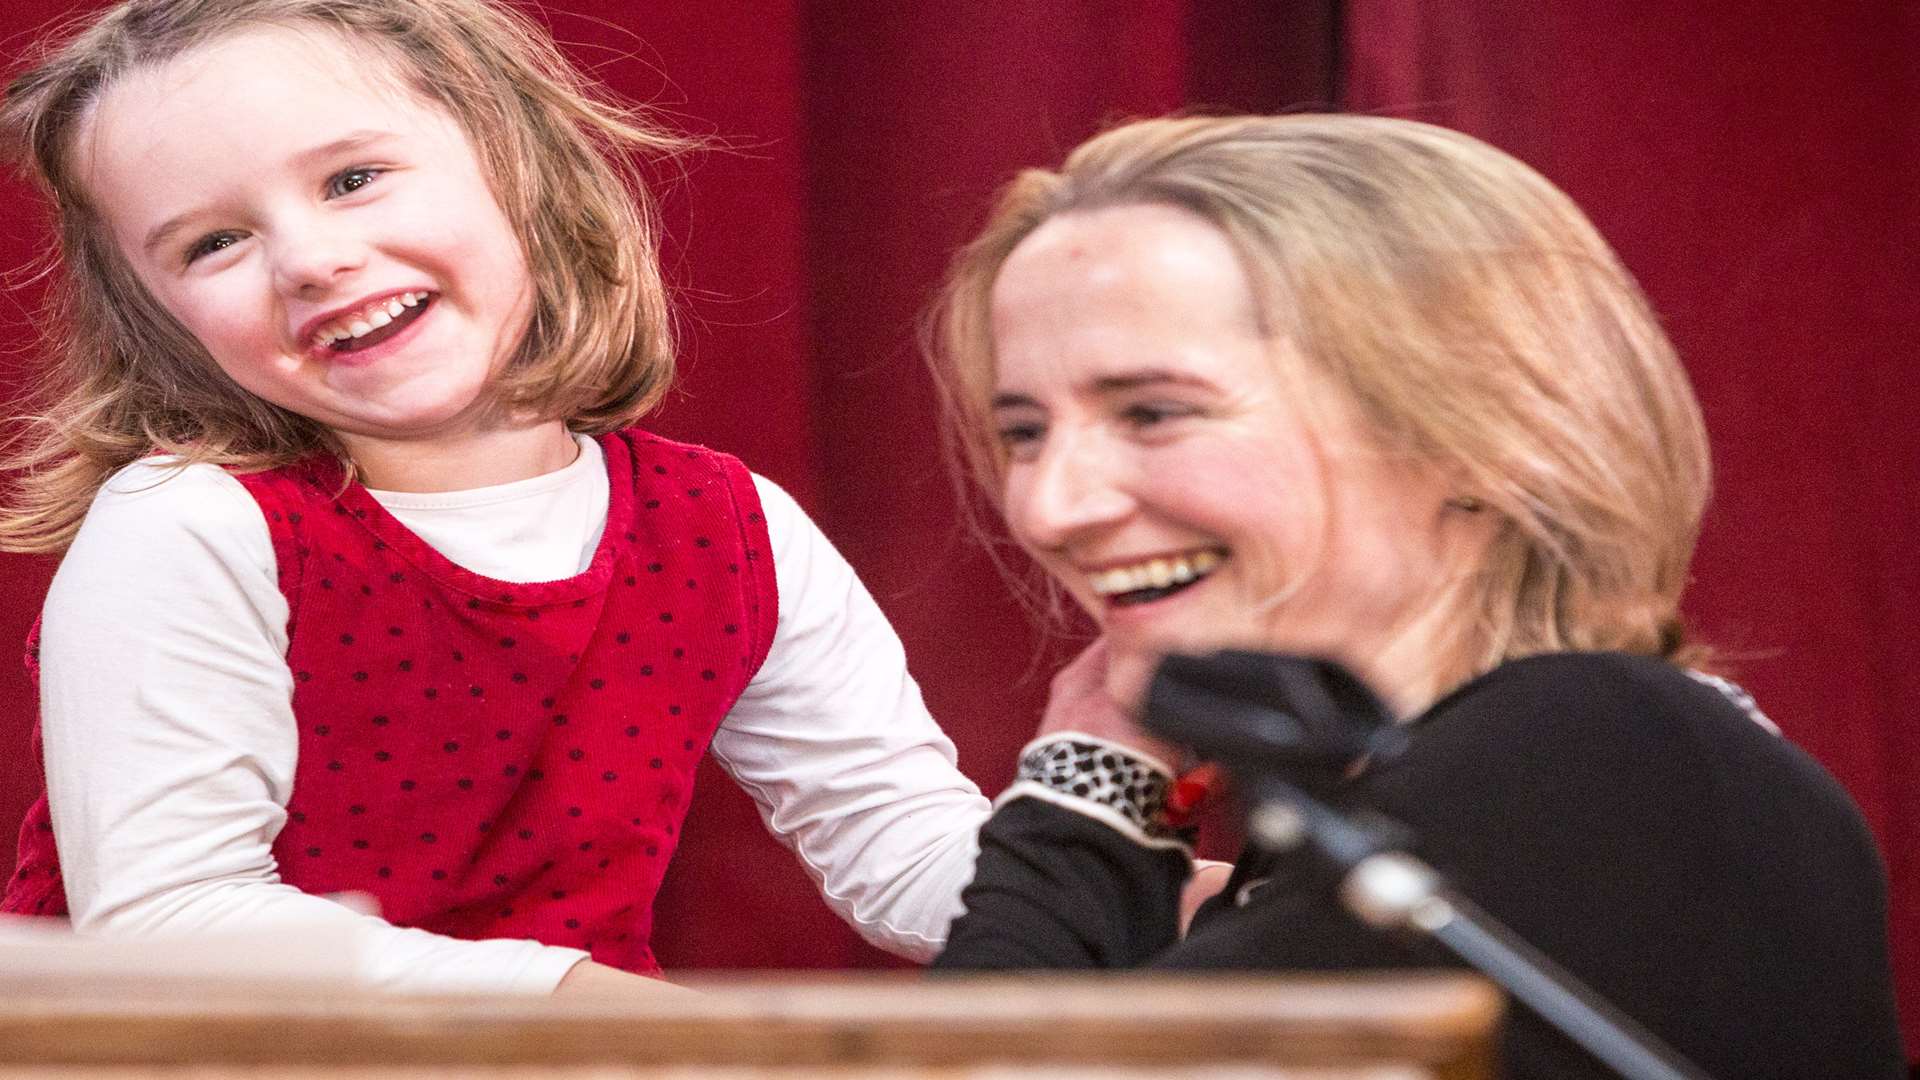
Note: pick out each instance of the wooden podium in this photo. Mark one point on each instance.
(842, 1026)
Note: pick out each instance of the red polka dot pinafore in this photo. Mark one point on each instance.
(491, 759)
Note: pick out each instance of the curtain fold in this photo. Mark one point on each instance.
(1755, 166)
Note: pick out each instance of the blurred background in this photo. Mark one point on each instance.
(1755, 164)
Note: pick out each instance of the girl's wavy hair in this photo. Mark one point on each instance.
(127, 380)
(1462, 305)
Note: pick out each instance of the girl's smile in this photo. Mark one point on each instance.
(346, 336)
(329, 237)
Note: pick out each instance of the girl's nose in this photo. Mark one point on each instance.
(310, 262)
(1074, 489)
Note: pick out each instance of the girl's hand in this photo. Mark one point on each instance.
(587, 979)
(1083, 700)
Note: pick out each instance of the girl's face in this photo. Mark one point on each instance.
(1159, 468)
(329, 237)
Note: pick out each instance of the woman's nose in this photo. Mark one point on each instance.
(1075, 488)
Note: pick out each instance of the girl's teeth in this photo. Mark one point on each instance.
(376, 316)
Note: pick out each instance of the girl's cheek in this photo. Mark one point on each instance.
(239, 321)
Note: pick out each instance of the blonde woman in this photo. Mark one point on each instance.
(1371, 390)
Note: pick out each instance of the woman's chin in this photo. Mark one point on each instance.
(1132, 661)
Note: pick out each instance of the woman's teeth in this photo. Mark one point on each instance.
(342, 332)
(1157, 577)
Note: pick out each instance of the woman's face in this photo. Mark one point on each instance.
(1158, 466)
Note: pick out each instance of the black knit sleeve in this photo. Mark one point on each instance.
(1057, 889)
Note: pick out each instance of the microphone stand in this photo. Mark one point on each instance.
(1389, 889)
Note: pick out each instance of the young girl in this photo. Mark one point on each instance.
(369, 584)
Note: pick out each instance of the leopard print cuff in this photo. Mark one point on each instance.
(1100, 779)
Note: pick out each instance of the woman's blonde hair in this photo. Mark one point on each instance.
(127, 380)
(1462, 305)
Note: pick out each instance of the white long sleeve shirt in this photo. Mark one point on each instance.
(166, 711)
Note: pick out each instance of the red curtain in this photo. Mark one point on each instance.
(915, 114)
(1754, 164)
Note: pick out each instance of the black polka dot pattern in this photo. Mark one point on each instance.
(1101, 774)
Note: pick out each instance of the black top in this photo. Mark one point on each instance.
(1632, 822)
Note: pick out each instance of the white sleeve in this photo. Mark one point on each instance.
(166, 710)
(833, 742)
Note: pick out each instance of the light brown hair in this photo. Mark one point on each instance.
(1463, 306)
(126, 380)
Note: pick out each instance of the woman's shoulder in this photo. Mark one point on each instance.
(1618, 717)
(1641, 697)
(1616, 737)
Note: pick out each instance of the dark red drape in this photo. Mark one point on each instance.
(1756, 167)
(1754, 164)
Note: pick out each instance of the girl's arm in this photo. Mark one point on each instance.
(833, 742)
(171, 742)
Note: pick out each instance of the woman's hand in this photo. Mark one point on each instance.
(1083, 699)
(1209, 877)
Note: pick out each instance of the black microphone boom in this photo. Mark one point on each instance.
(1307, 718)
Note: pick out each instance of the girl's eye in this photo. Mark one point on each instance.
(351, 180)
(211, 243)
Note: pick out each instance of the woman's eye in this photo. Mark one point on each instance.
(1148, 414)
(1018, 438)
(211, 243)
(351, 180)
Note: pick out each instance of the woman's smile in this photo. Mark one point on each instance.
(1177, 468)
(1144, 581)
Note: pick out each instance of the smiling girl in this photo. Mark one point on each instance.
(369, 584)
